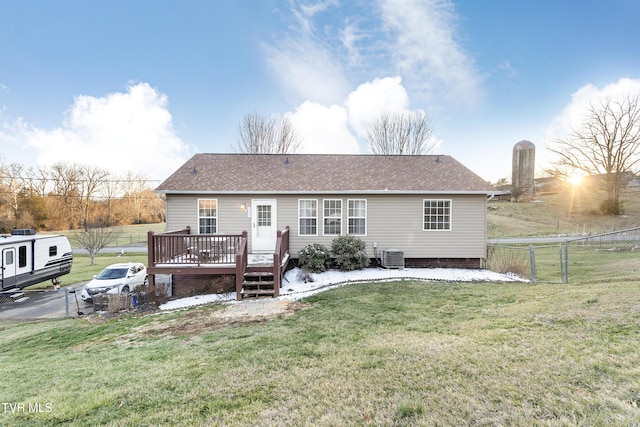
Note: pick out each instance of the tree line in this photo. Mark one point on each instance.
(69, 196)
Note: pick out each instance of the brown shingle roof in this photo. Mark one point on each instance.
(322, 173)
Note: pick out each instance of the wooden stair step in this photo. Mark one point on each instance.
(258, 292)
(258, 273)
(253, 287)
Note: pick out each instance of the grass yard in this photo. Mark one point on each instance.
(572, 211)
(397, 354)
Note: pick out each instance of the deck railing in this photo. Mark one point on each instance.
(182, 247)
(242, 259)
(281, 251)
(223, 252)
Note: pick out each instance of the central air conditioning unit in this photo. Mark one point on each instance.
(392, 258)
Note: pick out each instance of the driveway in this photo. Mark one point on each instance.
(46, 304)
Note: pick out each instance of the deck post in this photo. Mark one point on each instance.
(276, 266)
(241, 262)
(151, 256)
(150, 249)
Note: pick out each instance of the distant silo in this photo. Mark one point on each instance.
(523, 170)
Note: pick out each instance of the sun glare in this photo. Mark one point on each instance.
(575, 178)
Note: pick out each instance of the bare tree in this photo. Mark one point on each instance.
(110, 190)
(400, 133)
(606, 144)
(37, 179)
(64, 178)
(89, 186)
(12, 184)
(134, 186)
(94, 239)
(259, 134)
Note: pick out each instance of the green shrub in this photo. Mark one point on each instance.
(314, 257)
(350, 253)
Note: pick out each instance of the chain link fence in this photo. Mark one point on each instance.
(603, 257)
(67, 301)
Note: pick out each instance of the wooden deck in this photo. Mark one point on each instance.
(182, 253)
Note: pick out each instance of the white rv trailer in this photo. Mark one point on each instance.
(28, 258)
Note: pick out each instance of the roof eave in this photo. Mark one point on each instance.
(376, 192)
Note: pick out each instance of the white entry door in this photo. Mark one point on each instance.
(264, 225)
(8, 268)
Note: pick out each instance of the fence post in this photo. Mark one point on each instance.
(561, 262)
(566, 262)
(66, 301)
(532, 263)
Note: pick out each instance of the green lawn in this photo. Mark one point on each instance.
(571, 211)
(397, 353)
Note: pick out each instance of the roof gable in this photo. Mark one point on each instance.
(322, 173)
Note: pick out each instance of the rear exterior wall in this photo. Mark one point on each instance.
(393, 221)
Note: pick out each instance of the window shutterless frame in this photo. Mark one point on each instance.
(357, 217)
(332, 217)
(307, 217)
(436, 214)
(207, 216)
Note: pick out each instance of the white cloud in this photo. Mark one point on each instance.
(425, 49)
(350, 37)
(119, 132)
(313, 8)
(370, 99)
(303, 64)
(324, 129)
(574, 113)
(328, 46)
(306, 71)
(340, 128)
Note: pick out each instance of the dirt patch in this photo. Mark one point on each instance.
(200, 320)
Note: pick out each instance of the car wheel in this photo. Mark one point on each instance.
(125, 290)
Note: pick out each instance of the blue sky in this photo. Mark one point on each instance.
(142, 85)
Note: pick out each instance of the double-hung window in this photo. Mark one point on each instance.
(357, 217)
(437, 214)
(207, 216)
(308, 217)
(332, 217)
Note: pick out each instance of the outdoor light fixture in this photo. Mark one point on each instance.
(245, 207)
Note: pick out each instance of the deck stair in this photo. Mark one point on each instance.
(258, 282)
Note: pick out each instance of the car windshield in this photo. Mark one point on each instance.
(112, 273)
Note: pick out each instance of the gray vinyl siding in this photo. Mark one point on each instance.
(182, 211)
(393, 222)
